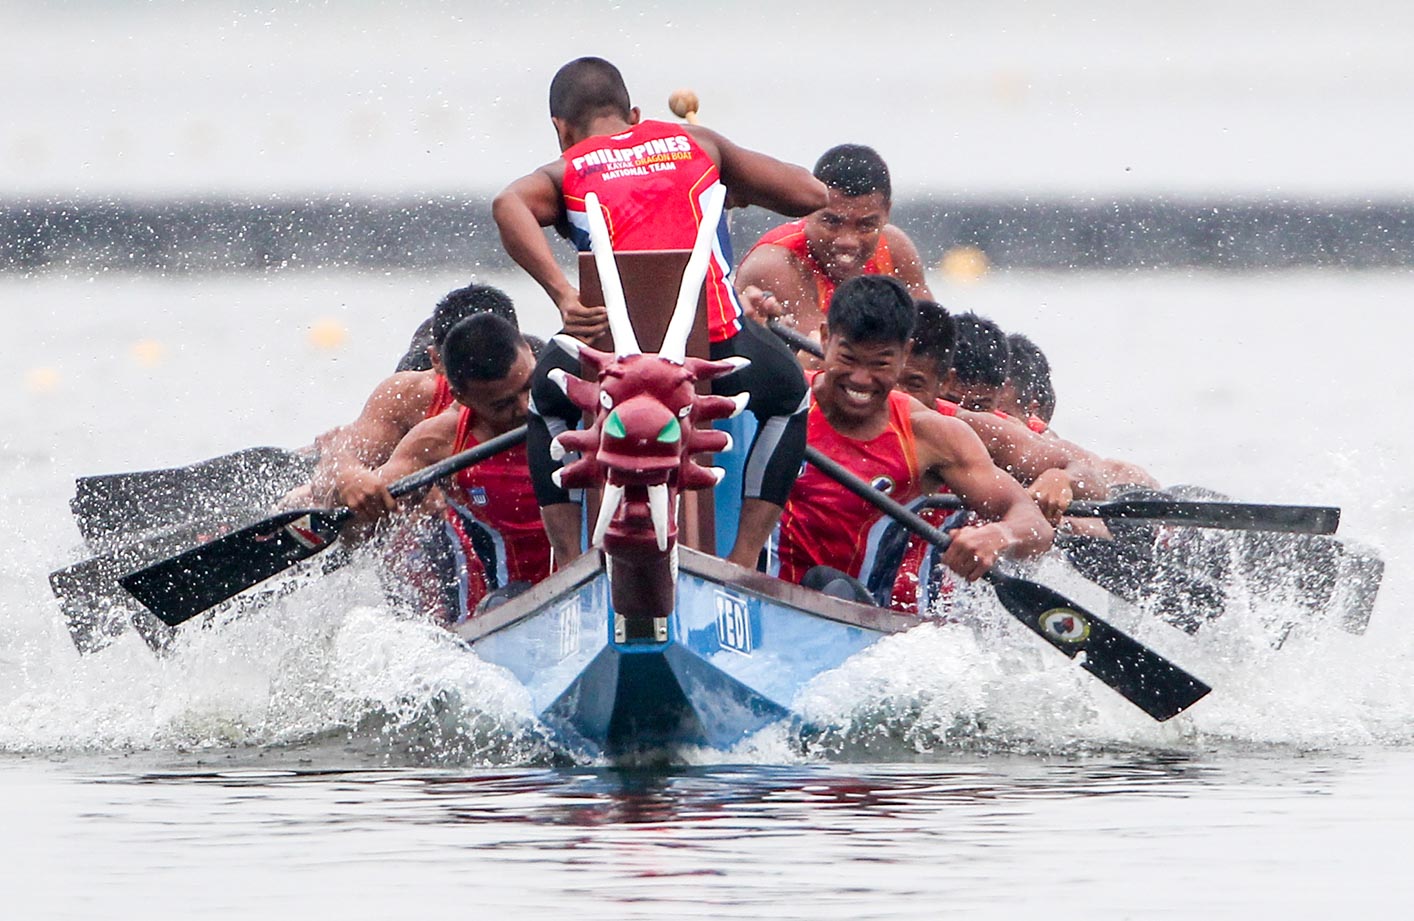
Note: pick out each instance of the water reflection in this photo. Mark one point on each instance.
(700, 796)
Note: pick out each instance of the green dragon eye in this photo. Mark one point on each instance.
(614, 426)
(671, 432)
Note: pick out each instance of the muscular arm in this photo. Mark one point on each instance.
(774, 269)
(1056, 470)
(950, 452)
(521, 210)
(757, 179)
(429, 441)
(908, 265)
(343, 475)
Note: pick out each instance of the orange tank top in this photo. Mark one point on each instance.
(825, 524)
(791, 236)
(442, 399)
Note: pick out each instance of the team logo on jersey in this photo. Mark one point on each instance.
(883, 484)
(1065, 625)
(478, 495)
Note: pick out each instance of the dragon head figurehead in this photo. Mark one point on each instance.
(648, 422)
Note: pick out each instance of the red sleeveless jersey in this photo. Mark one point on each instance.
(493, 513)
(825, 524)
(792, 238)
(442, 399)
(946, 407)
(651, 181)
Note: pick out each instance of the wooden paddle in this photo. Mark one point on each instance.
(1142, 676)
(1233, 516)
(183, 586)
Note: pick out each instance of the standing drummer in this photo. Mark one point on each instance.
(651, 178)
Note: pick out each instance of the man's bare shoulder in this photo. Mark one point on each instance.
(773, 268)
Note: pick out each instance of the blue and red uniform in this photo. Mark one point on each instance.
(651, 181)
(791, 237)
(494, 522)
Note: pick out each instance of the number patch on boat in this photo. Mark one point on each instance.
(1065, 625)
(733, 624)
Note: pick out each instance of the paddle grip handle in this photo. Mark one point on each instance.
(795, 338)
(429, 475)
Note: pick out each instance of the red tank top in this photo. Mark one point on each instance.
(1037, 424)
(504, 518)
(441, 399)
(825, 524)
(792, 237)
(651, 181)
(946, 407)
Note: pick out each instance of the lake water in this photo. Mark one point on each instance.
(322, 757)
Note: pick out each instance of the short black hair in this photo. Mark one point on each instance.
(872, 308)
(854, 170)
(475, 298)
(480, 348)
(934, 335)
(981, 355)
(585, 88)
(1030, 371)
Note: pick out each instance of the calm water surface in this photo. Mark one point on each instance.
(1228, 836)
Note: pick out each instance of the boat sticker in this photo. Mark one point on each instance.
(733, 624)
(1065, 625)
(478, 495)
(569, 629)
(302, 530)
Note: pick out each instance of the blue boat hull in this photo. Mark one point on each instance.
(728, 661)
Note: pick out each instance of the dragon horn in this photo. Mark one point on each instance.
(680, 327)
(625, 342)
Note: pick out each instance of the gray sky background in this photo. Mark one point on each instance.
(1105, 99)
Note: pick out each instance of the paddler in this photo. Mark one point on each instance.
(793, 270)
(1053, 469)
(349, 454)
(906, 449)
(1028, 393)
(497, 542)
(650, 177)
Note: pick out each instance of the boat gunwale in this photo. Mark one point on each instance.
(705, 566)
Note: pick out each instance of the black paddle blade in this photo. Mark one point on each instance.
(1237, 516)
(181, 587)
(1144, 678)
(117, 508)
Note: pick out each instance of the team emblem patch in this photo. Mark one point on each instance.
(883, 484)
(302, 530)
(478, 495)
(1065, 625)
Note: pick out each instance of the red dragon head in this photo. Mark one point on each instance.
(649, 421)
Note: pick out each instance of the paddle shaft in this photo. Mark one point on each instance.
(431, 474)
(1236, 516)
(1142, 676)
(196, 580)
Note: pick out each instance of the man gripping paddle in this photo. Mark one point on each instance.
(902, 447)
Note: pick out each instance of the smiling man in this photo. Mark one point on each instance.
(891, 440)
(794, 269)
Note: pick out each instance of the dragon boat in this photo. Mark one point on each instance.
(649, 639)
